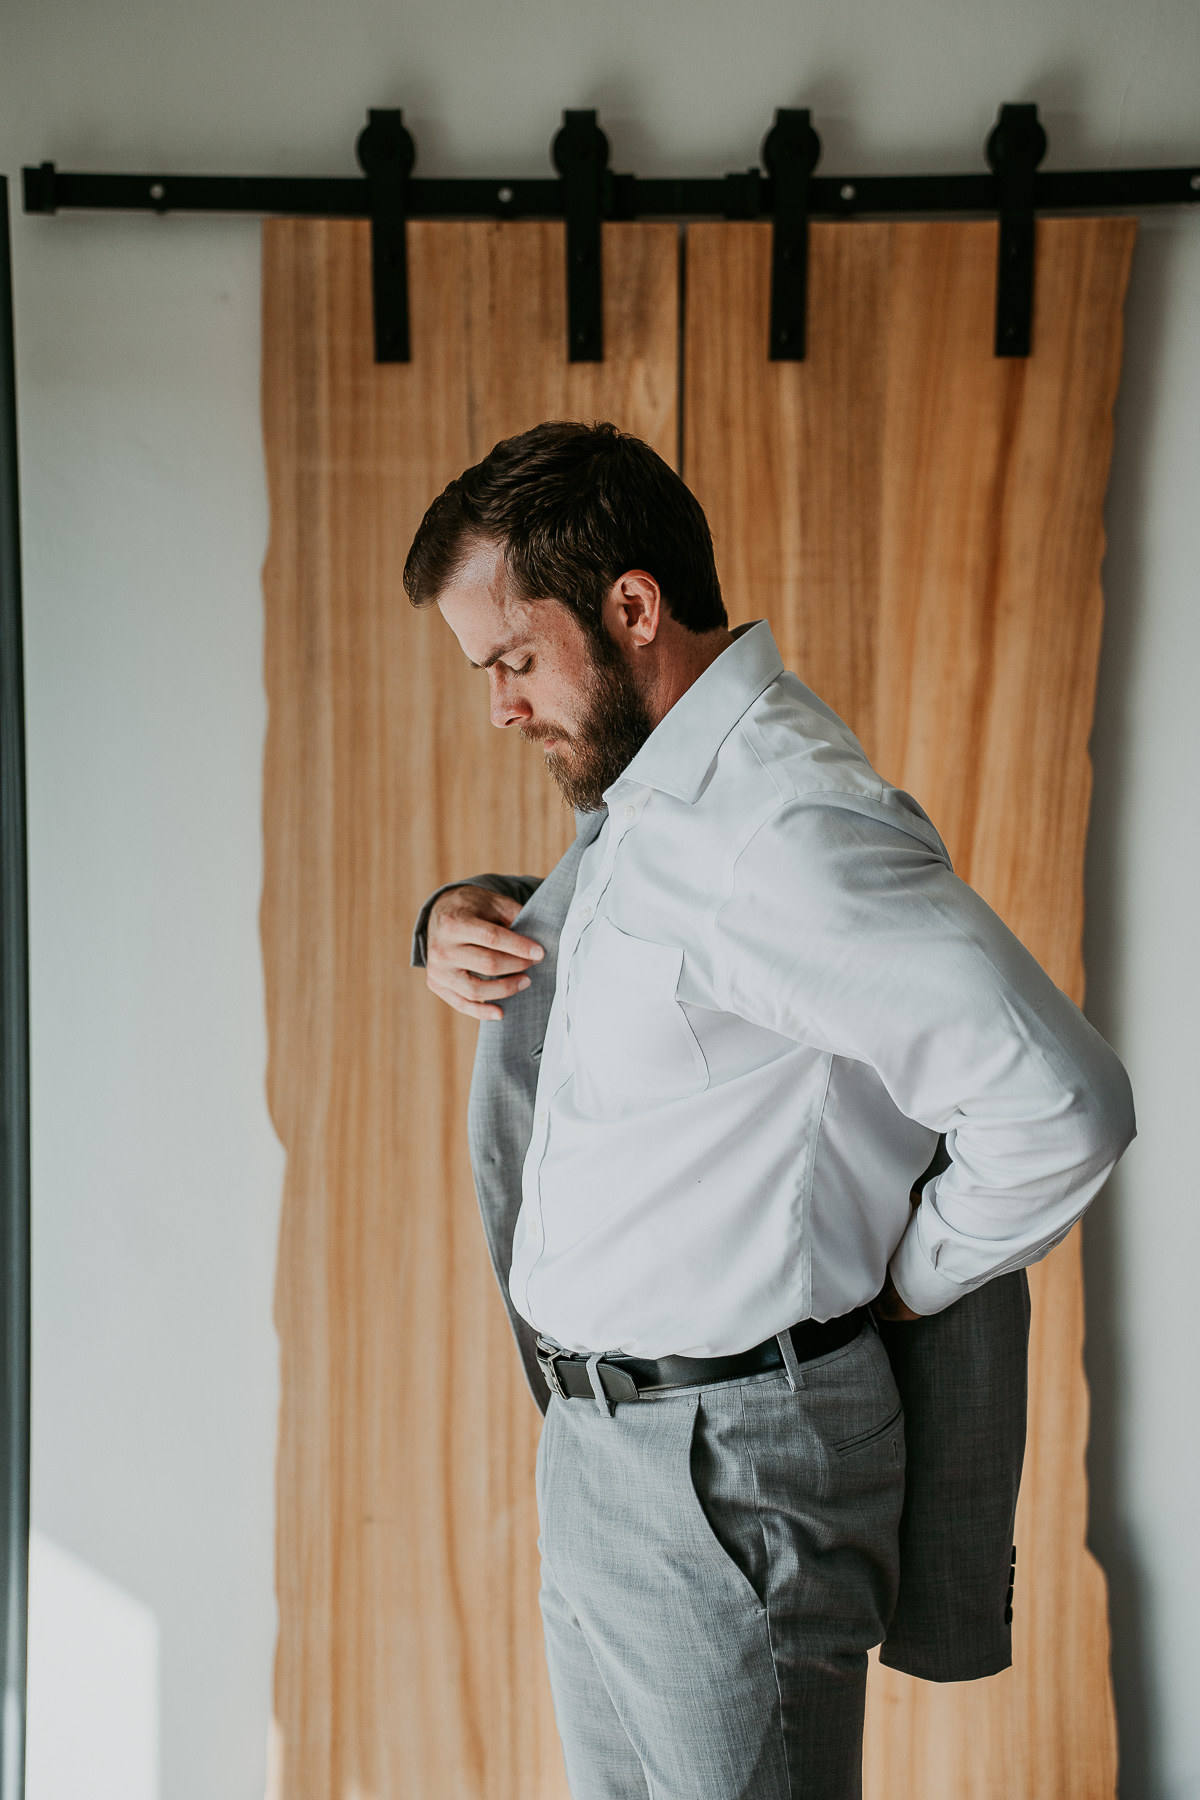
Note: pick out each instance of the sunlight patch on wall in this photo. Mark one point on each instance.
(93, 1684)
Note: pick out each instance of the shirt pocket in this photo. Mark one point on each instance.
(632, 1045)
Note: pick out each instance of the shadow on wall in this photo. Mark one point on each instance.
(93, 1684)
(1106, 1353)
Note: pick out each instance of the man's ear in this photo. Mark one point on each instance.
(635, 607)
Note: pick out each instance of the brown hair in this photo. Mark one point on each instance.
(574, 506)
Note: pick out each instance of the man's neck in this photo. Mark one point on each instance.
(682, 660)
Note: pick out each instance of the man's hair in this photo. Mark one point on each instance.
(573, 507)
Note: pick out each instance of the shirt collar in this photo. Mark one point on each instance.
(679, 752)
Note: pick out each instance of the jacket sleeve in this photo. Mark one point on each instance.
(847, 932)
(514, 887)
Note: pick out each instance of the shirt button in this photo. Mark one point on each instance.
(631, 812)
(585, 912)
(541, 1119)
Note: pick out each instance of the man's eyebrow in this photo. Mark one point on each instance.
(504, 650)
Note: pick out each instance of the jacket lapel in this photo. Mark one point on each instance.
(504, 1082)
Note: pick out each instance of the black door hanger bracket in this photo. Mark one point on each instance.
(788, 192)
(386, 154)
(581, 158)
(791, 151)
(1015, 147)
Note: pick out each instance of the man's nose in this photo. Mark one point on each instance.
(507, 708)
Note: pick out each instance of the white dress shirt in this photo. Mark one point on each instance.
(772, 995)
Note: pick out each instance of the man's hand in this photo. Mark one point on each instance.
(472, 959)
(888, 1305)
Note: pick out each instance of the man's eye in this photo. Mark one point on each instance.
(520, 668)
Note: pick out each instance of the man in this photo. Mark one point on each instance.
(773, 997)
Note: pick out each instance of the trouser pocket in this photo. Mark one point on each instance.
(892, 1427)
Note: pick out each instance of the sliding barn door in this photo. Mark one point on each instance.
(921, 523)
(409, 1663)
(922, 526)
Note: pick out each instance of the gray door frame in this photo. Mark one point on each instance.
(14, 1078)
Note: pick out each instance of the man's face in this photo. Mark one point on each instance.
(576, 697)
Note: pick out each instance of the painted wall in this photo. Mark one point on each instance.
(156, 1171)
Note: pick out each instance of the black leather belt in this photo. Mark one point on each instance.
(570, 1375)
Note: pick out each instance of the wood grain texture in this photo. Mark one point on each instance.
(409, 1661)
(922, 525)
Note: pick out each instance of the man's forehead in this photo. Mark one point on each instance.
(478, 605)
(483, 569)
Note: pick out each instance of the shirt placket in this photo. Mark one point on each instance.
(623, 814)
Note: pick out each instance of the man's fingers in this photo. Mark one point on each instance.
(469, 1007)
(473, 957)
(469, 928)
(472, 988)
(473, 915)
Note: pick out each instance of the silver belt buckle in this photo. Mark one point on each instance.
(549, 1356)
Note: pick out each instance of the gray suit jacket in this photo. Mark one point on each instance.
(961, 1373)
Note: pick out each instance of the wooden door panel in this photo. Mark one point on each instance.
(410, 1662)
(922, 525)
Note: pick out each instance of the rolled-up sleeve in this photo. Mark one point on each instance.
(846, 929)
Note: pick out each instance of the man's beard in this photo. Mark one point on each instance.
(613, 729)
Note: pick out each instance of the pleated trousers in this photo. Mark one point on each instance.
(716, 1563)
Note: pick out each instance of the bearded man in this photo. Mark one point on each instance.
(757, 1005)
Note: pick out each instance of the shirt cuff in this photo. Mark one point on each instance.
(916, 1280)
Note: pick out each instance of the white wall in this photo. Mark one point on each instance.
(156, 1172)
(1142, 1239)
(92, 1712)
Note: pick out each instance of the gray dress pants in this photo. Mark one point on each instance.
(716, 1564)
